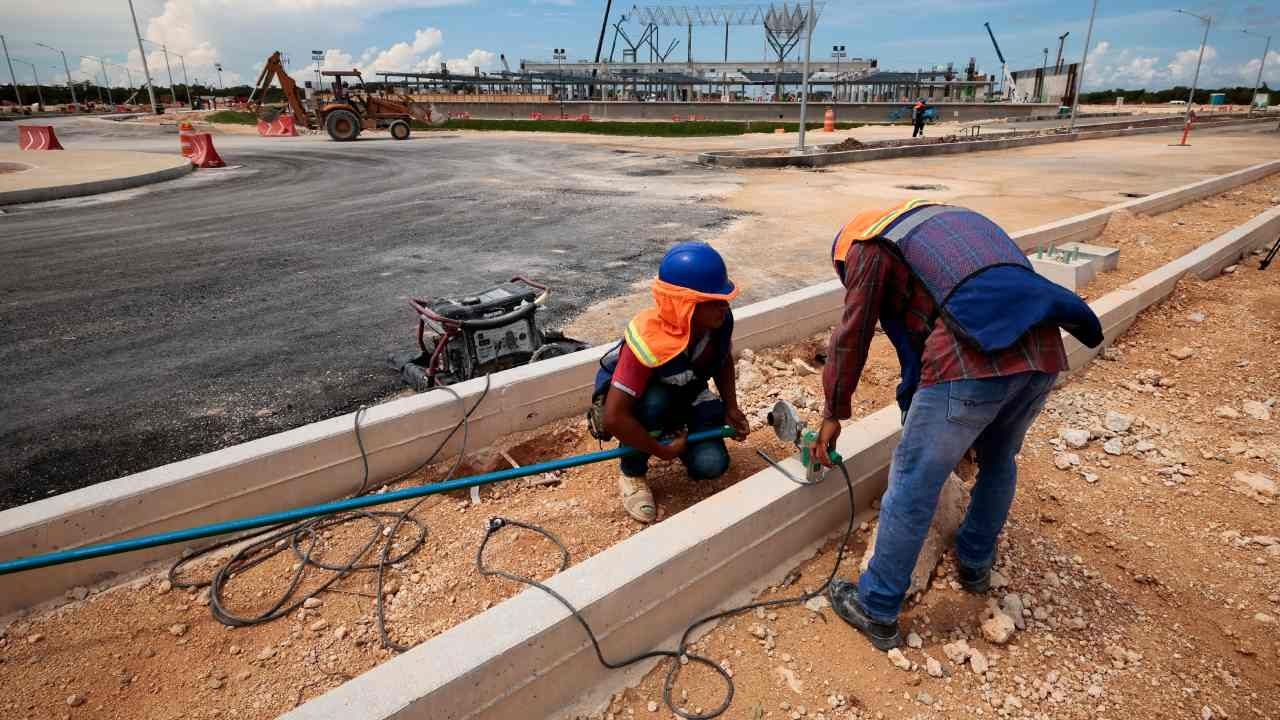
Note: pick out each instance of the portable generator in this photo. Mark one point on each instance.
(471, 336)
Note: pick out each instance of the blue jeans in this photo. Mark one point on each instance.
(666, 409)
(990, 415)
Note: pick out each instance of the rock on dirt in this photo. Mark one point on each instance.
(75, 700)
(1114, 446)
(997, 628)
(952, 503)
(914, 641)
(957, 652)
(1013, 606)
(1261, 487)
(1256, 410)
(1075, 439)
(178, 629)
(933, 667)
(899, 660)
(1117, 422)
(978, 662)
(1227, 412)
(1066, 461)
(1182, 353)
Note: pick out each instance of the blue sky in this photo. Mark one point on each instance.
(1136, 43)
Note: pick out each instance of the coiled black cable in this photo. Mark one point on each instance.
(302, 538)
(673, 671)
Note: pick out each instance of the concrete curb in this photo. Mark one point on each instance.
(744, 158)
(96, 187)
(320, 462)
(641, 593)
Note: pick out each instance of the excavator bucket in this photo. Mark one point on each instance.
(427, 113)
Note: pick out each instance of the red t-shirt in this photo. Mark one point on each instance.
(632, 377)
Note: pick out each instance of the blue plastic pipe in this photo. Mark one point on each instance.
(288, 516)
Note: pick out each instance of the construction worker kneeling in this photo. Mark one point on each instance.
(656, 380)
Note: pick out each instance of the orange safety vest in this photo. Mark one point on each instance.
(660, 333)
(869, 225)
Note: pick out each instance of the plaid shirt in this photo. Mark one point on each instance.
(879, 284)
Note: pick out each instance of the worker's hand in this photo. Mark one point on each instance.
(826, 442)
(674, 449)
(738, 421)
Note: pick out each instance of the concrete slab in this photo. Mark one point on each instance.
(55, 174)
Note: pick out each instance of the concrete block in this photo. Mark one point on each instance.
(1072, 274)
(1108, 258)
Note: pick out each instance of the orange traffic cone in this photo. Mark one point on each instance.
(829, 120)
(203, 155)
(185, 131)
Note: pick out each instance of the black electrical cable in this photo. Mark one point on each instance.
(302, 538)
(680, 653)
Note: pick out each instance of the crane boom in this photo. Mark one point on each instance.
(993, 42)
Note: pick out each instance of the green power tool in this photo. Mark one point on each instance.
(787, 425)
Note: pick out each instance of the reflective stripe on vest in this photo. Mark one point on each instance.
(866, 227)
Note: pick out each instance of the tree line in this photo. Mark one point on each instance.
(1235, 95)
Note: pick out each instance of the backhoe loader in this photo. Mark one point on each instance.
(348, 112)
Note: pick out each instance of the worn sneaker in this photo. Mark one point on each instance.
(637, 498)
(975, 580)
(844, 601)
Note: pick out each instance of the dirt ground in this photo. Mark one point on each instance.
(1148, 571)
(1152, 547)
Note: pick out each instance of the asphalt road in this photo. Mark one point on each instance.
(151, 325)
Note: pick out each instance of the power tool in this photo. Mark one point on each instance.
(787, 425)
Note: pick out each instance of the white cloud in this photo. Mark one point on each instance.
(482, 59)
(1270, 72)
(1183, 66)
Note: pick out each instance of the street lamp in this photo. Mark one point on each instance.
(66, 68)
(39, 94)
(146, 71)
(218, 67)
(106, 78)
(185, 83)
(12, 77)
(173, 90)
(837, 52)
(559, 54)
(804, 81)
(1261, 64)
(1084, 62)
(1208, 21)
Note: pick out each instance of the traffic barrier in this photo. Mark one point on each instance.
(535, 116)
(282, 126)
(203, 154)
(185, 131)
(584, 117)
(829, 120)
(675, 118)
(37, 137)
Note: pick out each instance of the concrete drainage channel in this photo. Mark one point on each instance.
(637, 595)
(781, 157)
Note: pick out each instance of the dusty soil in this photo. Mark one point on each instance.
(1150, 577)
(112, 654)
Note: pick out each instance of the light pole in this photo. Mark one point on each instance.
(66, 68)
(804, 81)
(151, 91)
(1208, 21)
(559, 54)
(837, 52)
(173, 90)
(1261, 64)
(12, 77)
(185, 83)
(105, 77)
(1044, 78)
(34, 74)
(1084, 62)
(218, 67)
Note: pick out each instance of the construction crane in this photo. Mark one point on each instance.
(1006, 81)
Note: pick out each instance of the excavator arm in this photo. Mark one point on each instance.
(274, 69)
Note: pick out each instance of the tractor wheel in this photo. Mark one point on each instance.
(400, 130)
(342, 125)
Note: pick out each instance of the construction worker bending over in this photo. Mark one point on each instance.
(977, 334)
(656, 380)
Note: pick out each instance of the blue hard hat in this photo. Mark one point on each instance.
(696, 266)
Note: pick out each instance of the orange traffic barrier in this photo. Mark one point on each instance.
(675, 118)
(829, 120)
(535, 116)
(203, 155)
(282, 126)
(185, 131)
(37, 137)
(584, 117)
